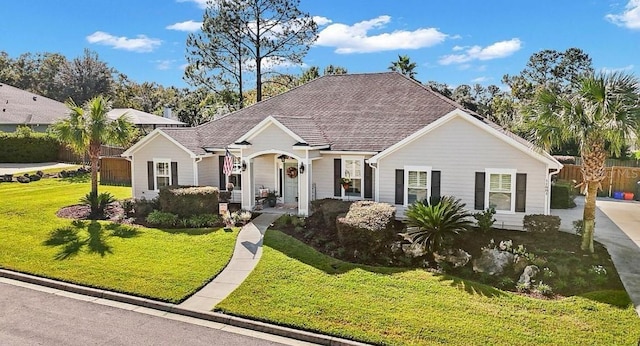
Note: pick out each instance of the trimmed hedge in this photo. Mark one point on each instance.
(562, 195)
(367, 227)
(34, 147)
(186, 201)
(324, 212)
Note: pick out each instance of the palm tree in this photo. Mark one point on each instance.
(603, 108)
(404, 66)
(87, 128)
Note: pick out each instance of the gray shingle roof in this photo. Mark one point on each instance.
(18, 106)
(143, 118)
(356, 112)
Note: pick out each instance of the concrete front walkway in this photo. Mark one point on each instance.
(618, 229)
(246, 255)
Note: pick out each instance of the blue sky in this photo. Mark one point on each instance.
(454, 42)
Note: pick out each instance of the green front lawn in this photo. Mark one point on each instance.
(167, 265)
(296, 286)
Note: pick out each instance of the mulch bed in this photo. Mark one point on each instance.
(114, 212)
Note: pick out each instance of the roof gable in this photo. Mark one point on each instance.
(149, 139)
(521, 144)
(23, 107)
(268, 121)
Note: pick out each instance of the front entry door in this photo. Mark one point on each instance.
(290, 184)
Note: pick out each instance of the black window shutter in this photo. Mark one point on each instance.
(337, 174)
(151, 184)
(479, 198)
(521, 192)
(174, 173)
(435, 185)
(223, 186)
(399, 186)
(368, 181)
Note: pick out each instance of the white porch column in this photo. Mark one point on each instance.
(247, 186)
(304, 182)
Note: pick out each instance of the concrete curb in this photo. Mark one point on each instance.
(172, 308)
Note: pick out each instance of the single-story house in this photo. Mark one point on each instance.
(379, 136)
(23, 108)
(146, 122)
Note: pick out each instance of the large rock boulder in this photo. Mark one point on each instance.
(493, 261)
(457, 257)
(23, 179)
(414, 250)
(528, 274)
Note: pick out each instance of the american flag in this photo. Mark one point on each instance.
(227, 167)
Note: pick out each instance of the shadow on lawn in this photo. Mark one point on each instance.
(297, 250)
(471, 287)
(72, 242)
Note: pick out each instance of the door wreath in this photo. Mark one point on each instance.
(292, 172)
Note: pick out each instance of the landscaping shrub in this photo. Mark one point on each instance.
(432, 226)
(189, 201)
(562, 195)
(325, 212)
(485, 219)
(162, 219)
(203, 220)
(143, 207)
(27, 146)
(541, 223)
(97, 202)
(367, 226)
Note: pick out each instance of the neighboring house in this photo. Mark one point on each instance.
(146, 122)
(396, 140)
(23, 108)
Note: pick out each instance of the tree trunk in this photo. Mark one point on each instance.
(589, 217)
(94, 156)
(593, 159)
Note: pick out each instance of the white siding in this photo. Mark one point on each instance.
(265, 173)
(159, 147)
(208, 171)
(272, 139)
(459, 149)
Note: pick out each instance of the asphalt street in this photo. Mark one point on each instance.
(30, 317)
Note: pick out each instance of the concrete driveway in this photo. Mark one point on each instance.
(15, 168)
(618, 229)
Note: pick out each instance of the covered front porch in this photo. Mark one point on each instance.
(275, 182)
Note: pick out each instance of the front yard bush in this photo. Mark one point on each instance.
(325, 212)
(162, 219)
(27, 146)
(367, 227)
(562, 195)
(189, 201)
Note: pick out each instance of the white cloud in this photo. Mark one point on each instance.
(348, 39)
(273, 63)
(201, 3)
(458, 48)
(495, 51)
(617, 69)
(630, 18)
(188, 26)
(140, 44)
(322, 20)
(480, 79)
(164, 64)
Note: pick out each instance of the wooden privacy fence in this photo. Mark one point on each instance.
(617, 178)
(67, 155)
(115, 171)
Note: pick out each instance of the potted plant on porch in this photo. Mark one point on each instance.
(345, 181)
(272, 198)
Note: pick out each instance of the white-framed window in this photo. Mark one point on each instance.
(353, 170)
(161, 173)
(500, 187)
(417, 179)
